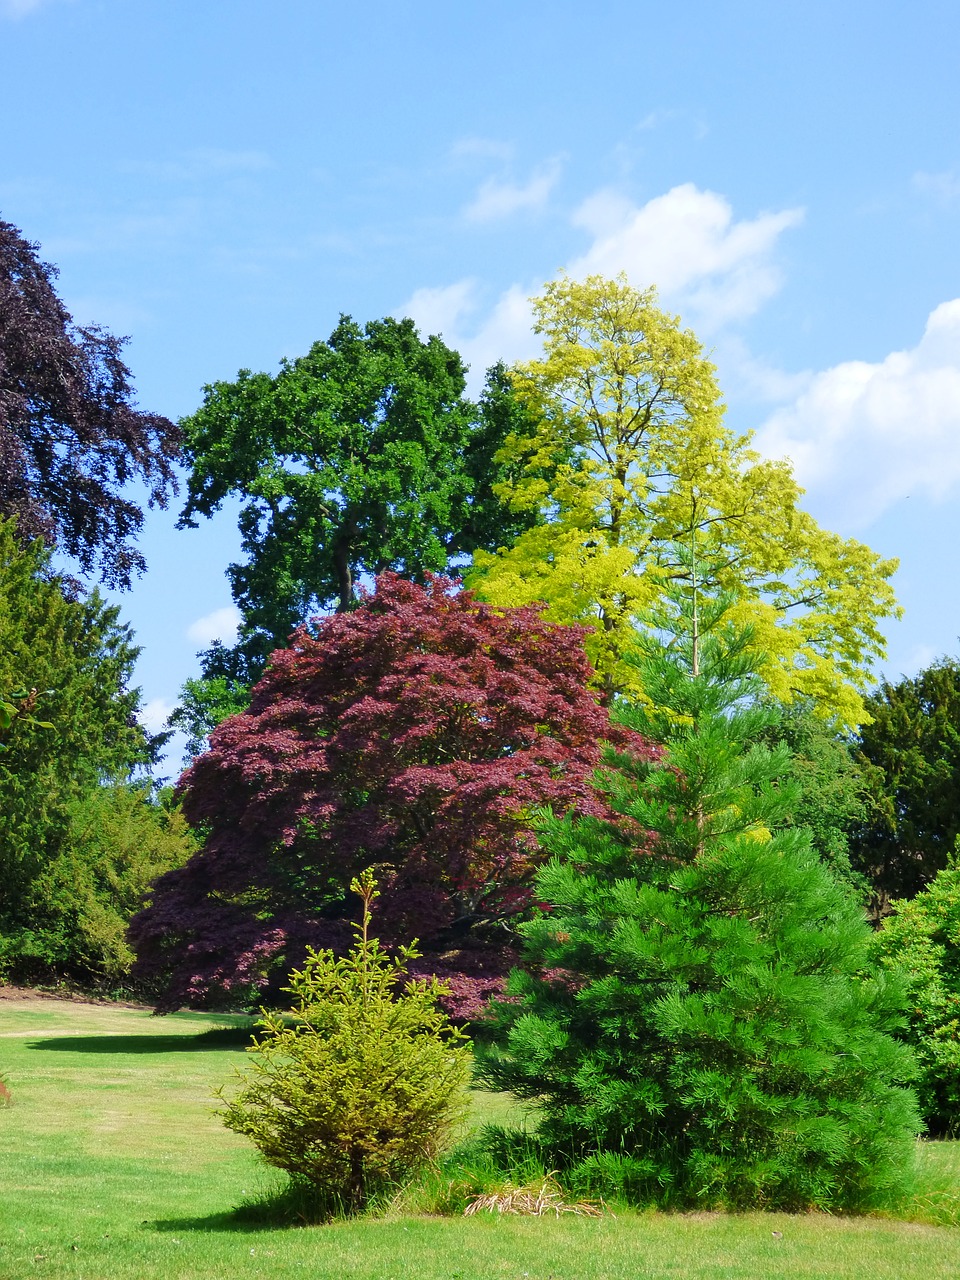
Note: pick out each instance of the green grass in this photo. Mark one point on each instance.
(113, 1166)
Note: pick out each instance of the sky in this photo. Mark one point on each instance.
(220, 180)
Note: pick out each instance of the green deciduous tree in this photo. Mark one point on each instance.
(78, 658)
(361, 456)
(366, 1085)
(911, 751)
(628, 454)
(700, 1022)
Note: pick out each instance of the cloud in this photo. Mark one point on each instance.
(708, 265)
(499, 199)
(221, 625)
(481, 148)
(686, 242)
(20, 8)
(154, 715)
(944, 187)
(443, 309)
(505, 334)
(864, 436)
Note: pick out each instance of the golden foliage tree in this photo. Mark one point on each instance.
(629, 457)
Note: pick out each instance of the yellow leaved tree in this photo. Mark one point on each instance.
(627, 458)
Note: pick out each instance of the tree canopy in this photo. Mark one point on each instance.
(75, 660)
(361, 456)
(415, 734)
(71, 437)
(629, 456)
(911, 750)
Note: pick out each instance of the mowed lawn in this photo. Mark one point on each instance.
(112, 1164)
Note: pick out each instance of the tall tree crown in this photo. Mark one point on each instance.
(71, 437)
(628, 457)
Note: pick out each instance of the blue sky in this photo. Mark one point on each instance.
(221, 179)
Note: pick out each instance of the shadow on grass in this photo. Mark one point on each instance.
(218, 1038)
(295, 1203)
(229, 1221)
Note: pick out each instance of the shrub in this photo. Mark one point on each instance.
(362, 1090)
(921, 942)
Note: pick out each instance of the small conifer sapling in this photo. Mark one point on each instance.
(366, 1085)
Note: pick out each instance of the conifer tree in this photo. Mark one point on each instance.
(699, 1022)
(367, 1086)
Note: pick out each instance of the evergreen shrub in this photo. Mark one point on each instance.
(365, 1086)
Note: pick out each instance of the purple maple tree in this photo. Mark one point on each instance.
(415, 735)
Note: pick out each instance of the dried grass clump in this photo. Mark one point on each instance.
(532, 1200)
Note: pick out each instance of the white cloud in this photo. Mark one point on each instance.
(154, 715)
(505, 334)
(686, 242)
(863, 436)
(707, 265)
(481, 148)
(944, 187)
(20, 8)
(443, 309)
(499, 199)
(221, 625)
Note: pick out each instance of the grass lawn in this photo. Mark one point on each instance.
(113, 1165)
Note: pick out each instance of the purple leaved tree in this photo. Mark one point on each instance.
(415, 735)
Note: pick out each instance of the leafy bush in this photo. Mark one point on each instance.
(364, 1088)
(921, 942)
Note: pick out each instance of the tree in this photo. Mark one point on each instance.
(833, 798)
(77, 659)
(70, 435)
(361, 456)
(699, 1022)
(366, 1086)
(414, 734)
(118, 839)
(911, 750)
(920, 941)
(628, 457)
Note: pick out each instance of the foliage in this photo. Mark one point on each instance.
(80, 659)
(832, 788)
(629, 455)
(118, 840)
(699, 1021)
(207, 701)
(368, 1084)
(921, 941)
(911, 750)
(361, 456)
(21, 704)
(414, 734)
(70, 435)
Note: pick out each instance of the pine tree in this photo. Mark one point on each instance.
(699, 1022)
